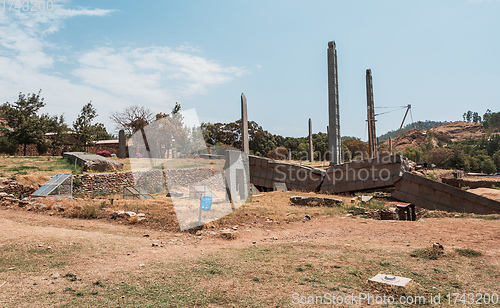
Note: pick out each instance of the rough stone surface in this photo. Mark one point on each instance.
(102, 164)
(361, 175)
(264, 172)
(8, 186)
(432, 195)
(152, 181)
(333, 106)
(244, 124)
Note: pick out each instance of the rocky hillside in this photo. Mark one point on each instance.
(440, 135)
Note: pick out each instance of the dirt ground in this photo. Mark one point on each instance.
(100, 250)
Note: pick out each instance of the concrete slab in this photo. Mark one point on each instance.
(373, 173)
(264, 172)
(433, 195)
(391, 280)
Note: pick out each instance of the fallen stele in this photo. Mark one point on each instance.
(390, 280)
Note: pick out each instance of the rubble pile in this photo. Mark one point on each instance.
(10, 186)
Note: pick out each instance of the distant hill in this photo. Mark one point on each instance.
(417, 125)
(440, 135)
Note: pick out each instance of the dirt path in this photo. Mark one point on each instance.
(98, 250)
(126, 240)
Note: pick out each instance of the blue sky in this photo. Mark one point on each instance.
(442, 57)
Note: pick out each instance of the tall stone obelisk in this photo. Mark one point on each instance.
(244, 124)
(311, 149)
(370, 110)
(333, 107)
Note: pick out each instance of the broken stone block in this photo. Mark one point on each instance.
(364, 199)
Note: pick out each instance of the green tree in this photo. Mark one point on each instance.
(57, 129)
(357, 148)
(86, 131)
(414, 154)
(496, 160)
(488, 166)
(22, 117)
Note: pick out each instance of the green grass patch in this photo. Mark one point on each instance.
(22, 168)
(466, 252)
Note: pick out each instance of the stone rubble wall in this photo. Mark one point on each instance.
(152, 181)
(12, 187)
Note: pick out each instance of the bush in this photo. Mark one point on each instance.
(488, 166)
(278, 153)
(8, 146)
(42, 148)
(104, 153)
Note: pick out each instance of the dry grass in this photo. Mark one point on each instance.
(145, 164)
(254, 276)
(18, 167)
(160, 212)
(102, 268)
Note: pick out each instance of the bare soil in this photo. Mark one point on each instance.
(97, 251)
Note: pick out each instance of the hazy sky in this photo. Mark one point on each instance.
(442, 57)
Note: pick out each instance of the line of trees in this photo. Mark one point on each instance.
(25, 125)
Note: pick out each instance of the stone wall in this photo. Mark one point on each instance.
(12, 187)
(152, 181)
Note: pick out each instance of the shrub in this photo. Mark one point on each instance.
(278, 153)
(104, 153)
(42, 147)
(427, 253)
(8, 146)
(488, 166)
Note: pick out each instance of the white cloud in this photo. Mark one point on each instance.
(152, 73)
(154, 76)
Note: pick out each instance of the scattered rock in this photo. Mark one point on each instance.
(55, 275)
(116, 214)
(228, 234)
(41, 206)
(22, 203)
(60, 208)
(307, 217)
(438, 247)
(145, 235)
(364, 199)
